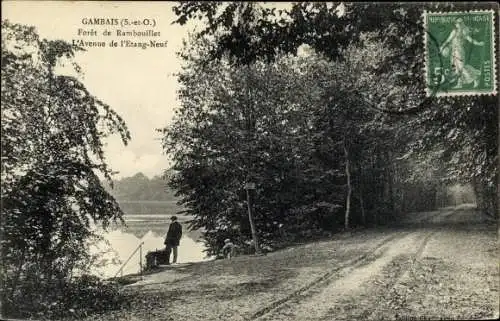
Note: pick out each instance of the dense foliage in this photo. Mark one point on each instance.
(52, 153)
(341, 136)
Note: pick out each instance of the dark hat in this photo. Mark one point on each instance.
(174, 218)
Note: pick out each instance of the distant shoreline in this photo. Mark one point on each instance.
(147, 202)
(181, 217)
(150, 207)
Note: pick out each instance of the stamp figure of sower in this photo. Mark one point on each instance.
(465, 73)
(460, 53)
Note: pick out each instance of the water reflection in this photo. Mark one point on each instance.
(118, 245)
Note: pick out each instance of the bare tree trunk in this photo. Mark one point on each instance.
(361, 189)
(477, 195)
(390, 180)
(363, 214)
(349, 187)
(17, 275)
(403, 199)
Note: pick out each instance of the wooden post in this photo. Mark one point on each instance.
(248, 187)
(140, 259)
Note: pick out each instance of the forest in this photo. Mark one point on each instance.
(139, 194)
(326, 114)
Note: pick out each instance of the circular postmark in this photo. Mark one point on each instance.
(415, 92)
(458, 60)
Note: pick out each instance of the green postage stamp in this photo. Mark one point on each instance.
(460, 53)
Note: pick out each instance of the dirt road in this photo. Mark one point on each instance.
(441, 264)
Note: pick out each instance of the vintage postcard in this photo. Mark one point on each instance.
(217, 161)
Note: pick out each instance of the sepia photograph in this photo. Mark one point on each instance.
(249, 161)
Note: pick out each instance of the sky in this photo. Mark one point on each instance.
(137, 83)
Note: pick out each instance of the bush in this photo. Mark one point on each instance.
(82, 296)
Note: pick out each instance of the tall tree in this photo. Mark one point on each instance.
(52, 151)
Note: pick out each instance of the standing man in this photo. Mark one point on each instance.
(173, 238)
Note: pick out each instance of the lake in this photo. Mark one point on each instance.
(121, 241)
